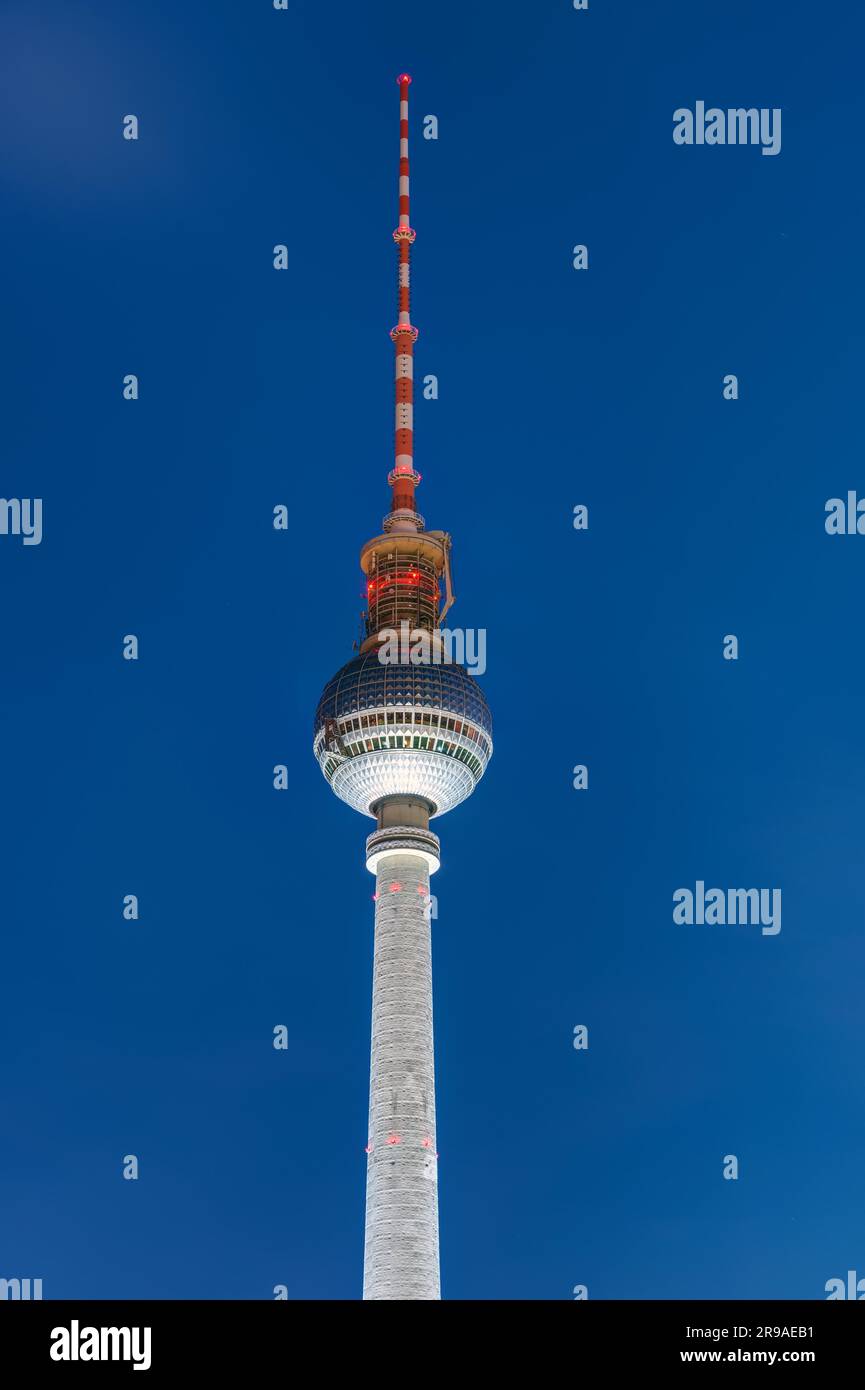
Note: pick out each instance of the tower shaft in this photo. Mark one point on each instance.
(401, 1257)
(403, 733)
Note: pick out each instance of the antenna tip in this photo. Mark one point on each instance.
(403, 77)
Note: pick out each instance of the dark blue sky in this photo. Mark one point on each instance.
(556, 388)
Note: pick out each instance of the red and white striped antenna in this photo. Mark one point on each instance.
(403, 478)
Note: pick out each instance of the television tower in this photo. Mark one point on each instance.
(403, 741)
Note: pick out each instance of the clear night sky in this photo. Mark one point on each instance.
(557, 387)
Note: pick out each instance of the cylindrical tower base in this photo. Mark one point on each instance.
(401, 1258)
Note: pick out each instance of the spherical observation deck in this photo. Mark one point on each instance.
(395, 729)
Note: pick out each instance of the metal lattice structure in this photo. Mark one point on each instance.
(403, 584)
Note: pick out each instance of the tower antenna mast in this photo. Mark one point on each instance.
(403, 478)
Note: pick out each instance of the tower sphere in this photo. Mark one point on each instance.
(395, 729)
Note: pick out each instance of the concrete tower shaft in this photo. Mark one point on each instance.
(401, 1254)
